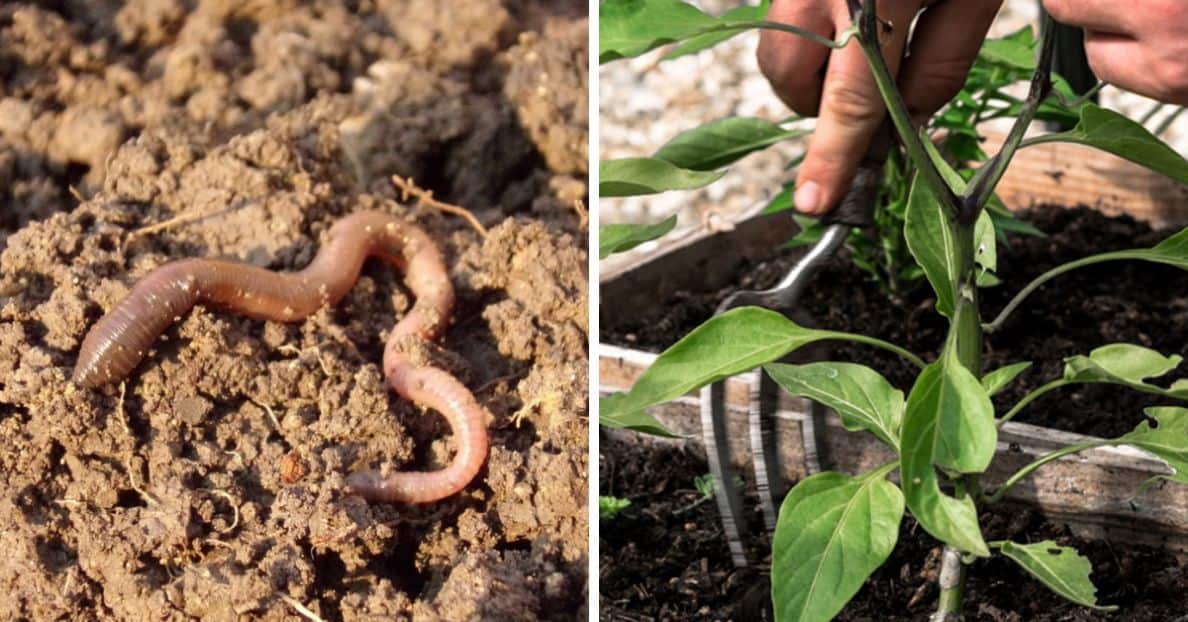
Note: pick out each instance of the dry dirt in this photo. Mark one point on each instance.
(210, 485)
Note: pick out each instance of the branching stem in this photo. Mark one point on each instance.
(986, 179)
(1039, 462)
(878, 343)
(867, 21)
(1053, 273)
(839, 43)
(1031, 397)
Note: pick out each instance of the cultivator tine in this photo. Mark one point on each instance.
(765, 455)
(717, 450)
(813, 430)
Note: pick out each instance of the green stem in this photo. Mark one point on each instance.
(841, 41)
(1039, 462)
(878, 343)
(965, 342)
(1078, 101)
(1053, 273)
(868, 38)
(952, 587)
(1031, 397)
(984, 181)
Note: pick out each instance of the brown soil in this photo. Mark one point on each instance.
(665, 558)
(210, 485)
(1131, 302)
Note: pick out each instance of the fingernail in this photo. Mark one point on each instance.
(808, 197)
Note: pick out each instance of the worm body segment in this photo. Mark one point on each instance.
(120, 340)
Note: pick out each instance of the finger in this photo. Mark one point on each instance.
(1102, 15)
(942, 53)
(1137, 67)
(851, 110)
(791, 63)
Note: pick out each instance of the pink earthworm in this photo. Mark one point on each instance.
(118, 342)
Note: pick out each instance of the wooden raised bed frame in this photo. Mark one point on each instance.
(1095, 492)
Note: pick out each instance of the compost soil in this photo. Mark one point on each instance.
(665, 557)
(210, 485)
(1134, 302)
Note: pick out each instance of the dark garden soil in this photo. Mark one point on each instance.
(664, 560)
(210, 485)
(1133, 302)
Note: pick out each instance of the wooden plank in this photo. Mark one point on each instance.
(1072, 175)
(696, 259)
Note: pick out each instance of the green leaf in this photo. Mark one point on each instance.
(618, 238)
(947, 172)
(810, 232)
(781, 202)
(1016, 50)
(1001, 377)
(861, 396)
(1116, 134)
(723, 142)
(949, 422)
(1172, 251)
(705, 485)
(987, 279)
(609, 507)
(833, 532)
(723, 346)
(701, 42)
(1006, 222)
(635, 176)
(1168, 439)
(986, 248)
(629, 28)
(1061, 568)
(612, 415)
(931, 238)
(1120, 363)
(1128, 365)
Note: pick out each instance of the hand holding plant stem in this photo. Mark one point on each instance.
(945, 42)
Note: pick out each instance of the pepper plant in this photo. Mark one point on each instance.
(835, 529)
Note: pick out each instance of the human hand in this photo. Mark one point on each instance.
(1141, 48)
(837, 85)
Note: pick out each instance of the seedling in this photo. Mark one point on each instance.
(609, 507)
(835, 529)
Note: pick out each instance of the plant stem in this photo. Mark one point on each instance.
(986, 179)
(841, 41)
(867, 22)
(1039, 462)
(878, 343)
(1077, 101)
(1053, 273)
(952, 587)
(965, 340)
(1031, 397)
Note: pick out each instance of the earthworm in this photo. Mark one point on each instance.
(118, 342)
